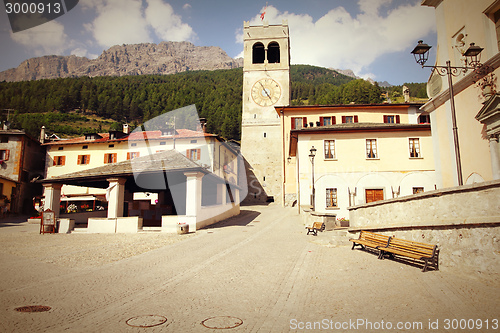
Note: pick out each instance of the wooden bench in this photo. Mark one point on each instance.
(427, 253)
(317, 226)
(370, 239)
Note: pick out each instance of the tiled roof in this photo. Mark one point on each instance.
(167, 161)
(147, 135)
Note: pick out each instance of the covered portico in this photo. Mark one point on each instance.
(177, 180)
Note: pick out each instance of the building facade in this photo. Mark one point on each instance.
(266, 82)
(476, 157)
(362, 153)
(21, 160)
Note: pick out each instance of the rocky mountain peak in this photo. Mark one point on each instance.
(131, 59)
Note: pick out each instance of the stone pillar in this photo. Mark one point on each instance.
(222, 194)
(193, 192)
(52, 197)
(116, 196)
(495, 156)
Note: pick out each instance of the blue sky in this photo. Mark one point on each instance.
(372, 37)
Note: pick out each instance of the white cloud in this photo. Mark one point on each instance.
(186, 6)
(119, 22)
(166, 24)
(129, 22)
(341, 40)
(48, 38)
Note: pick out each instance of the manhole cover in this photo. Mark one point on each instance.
(146, 321)
(33, 308)
(222, 322)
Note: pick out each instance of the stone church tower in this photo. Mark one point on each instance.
(266, 84)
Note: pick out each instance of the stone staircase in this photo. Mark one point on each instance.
(337, 237)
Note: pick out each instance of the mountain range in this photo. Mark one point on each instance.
(120, 60)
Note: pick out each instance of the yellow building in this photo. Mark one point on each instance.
(363, 153)
(21, 161)
(475, 156)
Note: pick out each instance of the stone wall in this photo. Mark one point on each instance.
(463, 221)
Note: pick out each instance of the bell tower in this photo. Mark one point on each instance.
(266, 84)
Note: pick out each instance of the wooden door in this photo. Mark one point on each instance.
(374, 195)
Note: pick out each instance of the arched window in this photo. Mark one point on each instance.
(273, 53)
(258, 53)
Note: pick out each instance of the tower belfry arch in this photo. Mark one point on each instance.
(266, 84)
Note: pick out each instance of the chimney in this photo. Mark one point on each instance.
(203, 125)
(125, 129)
(42, 135)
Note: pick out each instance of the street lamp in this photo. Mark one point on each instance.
(472, 56)
(311, 157)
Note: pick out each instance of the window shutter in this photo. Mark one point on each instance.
(304, 121)
(79, 160)
(293, 123)
(128, 155)
(187, 153)
(87, 160)
(198, 154)
(385, 119)
(63, 160)
(333, 120)
(7, 154)
(343, 119)
(355, 119)
(114, 158)
(54, 161)
(397, 119)
(321, 121)
(106, 158)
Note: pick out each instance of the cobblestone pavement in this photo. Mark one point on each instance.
(259, 270)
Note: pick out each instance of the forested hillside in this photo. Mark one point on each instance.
(72, 106)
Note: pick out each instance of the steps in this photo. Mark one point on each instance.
(337, 237)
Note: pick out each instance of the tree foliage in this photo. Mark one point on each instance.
(136, 99)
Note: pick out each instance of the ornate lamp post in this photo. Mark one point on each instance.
(311, 157)
(473, 56)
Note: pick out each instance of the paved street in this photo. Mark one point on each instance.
(260, 269)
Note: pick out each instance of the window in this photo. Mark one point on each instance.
(265, 134)
(132, 155)
(85, 147)
(424, 119)
(4, 154)
(192, 141)
(299, 122)
(349, 119)
(193, 154)
(329, 149)
(59, 160)
(60, 148)
(374, 195)
(417, 190)
(163, 143)
(371, 148)
(415, 148)
(111, 146)
(83, 159)
(133, 144)
(258, 53)
(331, 198)
(391, 119)
(326, 121)
(109, 158)
(273, 53)
(4, 139)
